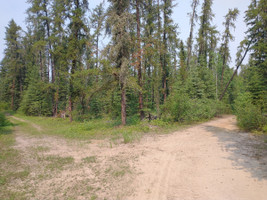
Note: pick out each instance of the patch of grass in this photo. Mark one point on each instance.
(94, 197)
(25, 127)
(90, 159)
(96, 128)
(10, 175)
(10, 166)
(80, 188)
(119, 173)
(160, 123)
(117, 169)
(99, 128)
(13, 195)
(56, 162)
(127, 136)
(40, 149)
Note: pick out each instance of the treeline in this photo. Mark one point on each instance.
(55, 66)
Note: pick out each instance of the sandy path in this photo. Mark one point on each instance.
(210, 161)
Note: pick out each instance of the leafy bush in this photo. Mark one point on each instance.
(249, 116)
(3, 120)
(180, 107)
(160, 123)
(37, 100)
(4, 106)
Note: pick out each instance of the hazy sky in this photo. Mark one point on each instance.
(16, 9)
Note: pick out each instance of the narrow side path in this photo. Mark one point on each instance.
(32, 124)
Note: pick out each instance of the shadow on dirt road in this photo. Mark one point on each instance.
(247, 152)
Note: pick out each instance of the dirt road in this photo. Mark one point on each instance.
(210, 161)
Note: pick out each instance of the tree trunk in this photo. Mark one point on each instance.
(50, 62)
(224, 59)
(189, 44)
(70, 109)
(123, 104)
(235, 72)
(142, 114)
(164, 64)
(13, 94)
(55, 110)
(71, 92)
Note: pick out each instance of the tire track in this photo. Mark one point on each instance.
(204, 162)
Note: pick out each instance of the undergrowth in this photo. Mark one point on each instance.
(99, 128)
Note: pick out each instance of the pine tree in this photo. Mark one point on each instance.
(230, 18)
(76, 43)
(256, 19)
(168, 40)
(193, 18)
(205, 25)
(59, 53)
(139, 61)
(120, 20)
(97, 22)
(12, 70)
(182, 58)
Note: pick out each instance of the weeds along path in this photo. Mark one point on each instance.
(210, 161)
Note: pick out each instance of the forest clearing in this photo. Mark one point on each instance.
(209, 161)
(133, 100)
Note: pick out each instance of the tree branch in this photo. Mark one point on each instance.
(235, 72)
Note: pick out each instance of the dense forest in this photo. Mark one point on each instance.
(55, 67)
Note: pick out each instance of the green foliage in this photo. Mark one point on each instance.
(3, 120)
(57, 66)
(4, 106)
(249, 116)
(160, 123)
(37, 100)
(12, 67)
(94, 128)
(181, 107)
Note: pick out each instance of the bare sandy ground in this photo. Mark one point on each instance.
(210, 161)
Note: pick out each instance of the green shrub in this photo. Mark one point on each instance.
(4, 106)
(180, 107)
(3, 120)
(160, 123)
(37, 100)
(176, 108)
(249, 116)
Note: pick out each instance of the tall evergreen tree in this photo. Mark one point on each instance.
(230, 18)
(193, 18)
(97, 22)
(205, 24)
(139, 61)
(168, 40)
(120, 20)
(256, 19)
(12, 68)
(76, 43)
